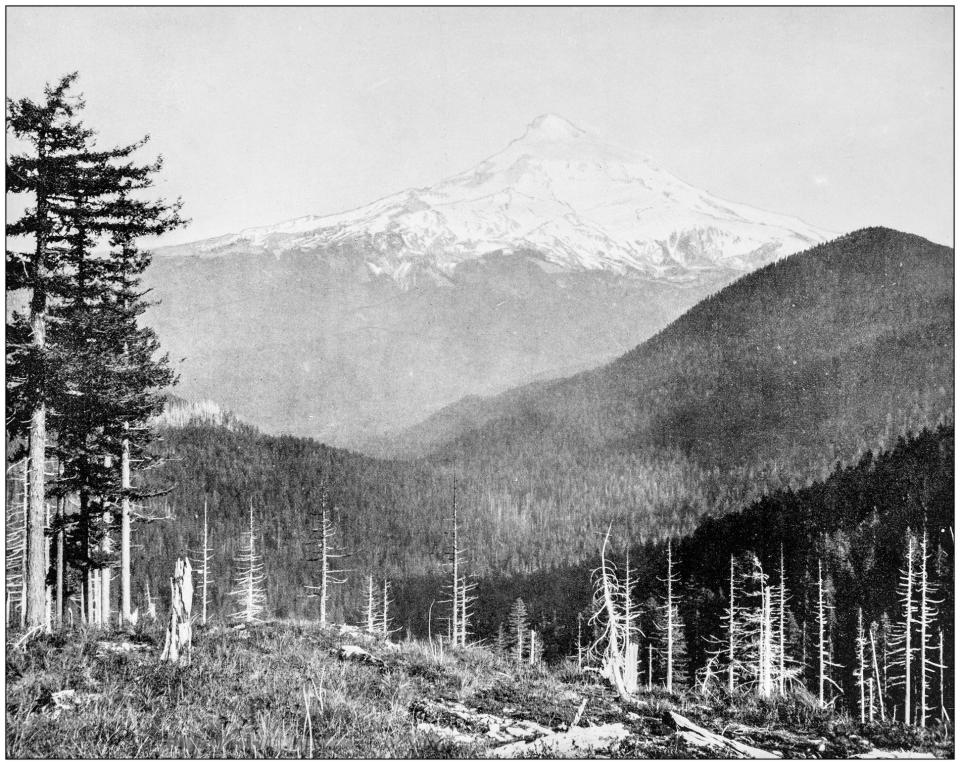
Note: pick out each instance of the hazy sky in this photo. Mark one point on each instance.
(842, 116)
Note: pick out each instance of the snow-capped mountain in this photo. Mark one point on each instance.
(582, 204)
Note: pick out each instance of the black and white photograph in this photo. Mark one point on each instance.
(479, 382)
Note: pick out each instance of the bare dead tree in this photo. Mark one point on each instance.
(758, 631)
(901, 641)
(248, 588)
(203, 557)
(824, 655)
(725, 655)
(671, 624)
(861, 671)
(325, 553)
(612, 642)
(944, 718)
(580, 643)
(466, 601)
(876, 671)
(371, 606)
(928, 613)
(151, 602)
(385, 611)
(457, 585)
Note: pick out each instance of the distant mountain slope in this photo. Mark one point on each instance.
(766, 383)
(794, 356)
(556, 254)
(300, 344)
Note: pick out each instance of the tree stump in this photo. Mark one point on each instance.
(177, 644)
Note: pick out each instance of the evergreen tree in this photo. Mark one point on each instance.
(56, 141)
(89, 371)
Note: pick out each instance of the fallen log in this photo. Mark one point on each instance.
(500, 729)
(896, 754)
(576, 742)
(448, 734)
(694, 735)
(358, 654)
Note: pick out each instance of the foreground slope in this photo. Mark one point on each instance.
(282, 691)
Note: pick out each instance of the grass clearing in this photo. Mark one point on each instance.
(279, 690)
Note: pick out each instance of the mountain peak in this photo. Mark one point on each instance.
(553, 127)
(558, 190)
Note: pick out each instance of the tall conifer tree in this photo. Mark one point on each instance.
(55, 142)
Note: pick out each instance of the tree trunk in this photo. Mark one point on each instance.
(925, 618)
(178, 640)
(371, 627)
(669, 684)
(385, 623)
(765, 645)
(35, 572)
(324, 564)
(650, 667)
(908, 630)
(861, 665)
(876, 672)
(126, 615)
(782, 636)
(106, 546)
(61, 520)
(943, 706)
(731, 636)
(580, 645)
(206, 567)
(455, 610)
(821, 636)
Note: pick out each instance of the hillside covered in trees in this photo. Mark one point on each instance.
(768, 383)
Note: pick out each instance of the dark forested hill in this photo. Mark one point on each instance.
(388, 515)
(768, 383)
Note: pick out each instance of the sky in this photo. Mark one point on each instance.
(840, 116)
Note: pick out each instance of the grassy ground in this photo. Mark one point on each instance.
(280, 691)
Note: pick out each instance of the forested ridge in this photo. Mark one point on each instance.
(769, 383)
